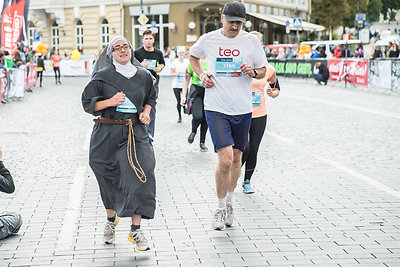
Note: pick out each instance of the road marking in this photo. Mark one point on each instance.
(284, 139)
(69, 222)
(362, 177)
(349, 171)
(339, 104)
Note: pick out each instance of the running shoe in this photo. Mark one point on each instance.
(191, 137)
(203, 147)
(219, 220)
(246, 186)
(109, 231)
(137, 237)
(229, 215)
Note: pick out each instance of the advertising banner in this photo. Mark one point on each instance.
(294, 67)
(30, 78)
(396, 75)
(353, 71)
(11, 24)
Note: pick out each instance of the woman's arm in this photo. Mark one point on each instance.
(185, 89)
(114, 101)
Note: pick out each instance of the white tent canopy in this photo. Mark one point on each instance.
(281, 20)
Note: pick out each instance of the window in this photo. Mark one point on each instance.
(287, 11)
(79, 35)
(261, 9)
(268, 10)
(54, 35)
(105, 36)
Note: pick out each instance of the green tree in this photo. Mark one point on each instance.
(389, 5)
(374, 10)
(329, 13)
(355, 6)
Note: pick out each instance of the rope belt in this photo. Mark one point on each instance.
(131, 140)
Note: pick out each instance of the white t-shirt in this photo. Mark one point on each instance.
(179, 67)
(231, 93)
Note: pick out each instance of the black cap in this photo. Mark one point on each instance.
(235, 11)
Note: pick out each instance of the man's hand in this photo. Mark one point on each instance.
(206, 80)
(1, 154)
(145, 63)
(247, 69)
(117, 99)
(144, 117)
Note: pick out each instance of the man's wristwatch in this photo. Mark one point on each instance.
(255, 73)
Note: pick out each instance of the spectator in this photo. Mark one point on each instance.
(289, 53)
(10, 222)
(337, 52)
(394, 51)
(321, 52)
(281, 54)
(268, 52)
(383, 50)
(314, 54)
(17, 60)
(321, 73)
(359, 53)
(389, 48)
(2, 63)
(376, 53)
(346, 51)
(274, 53)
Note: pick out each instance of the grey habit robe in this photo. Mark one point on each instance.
(120, 188)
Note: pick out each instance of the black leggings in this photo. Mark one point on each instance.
(39, 74)
(177, 92)
(198, 114)
(256, 134)
(57, 70)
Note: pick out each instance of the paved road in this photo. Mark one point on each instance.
(327, 185)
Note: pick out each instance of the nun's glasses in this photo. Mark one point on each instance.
(118, 47)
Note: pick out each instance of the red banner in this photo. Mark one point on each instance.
(11, 25)
(353, 71)
(30, 78)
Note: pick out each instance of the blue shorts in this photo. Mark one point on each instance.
(228, 130)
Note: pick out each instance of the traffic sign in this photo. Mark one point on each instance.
(143, 19)
(297, 22)
(153, 23)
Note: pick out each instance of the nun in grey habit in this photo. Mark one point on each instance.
(121, 94)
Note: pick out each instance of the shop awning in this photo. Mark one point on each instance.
(281, 20)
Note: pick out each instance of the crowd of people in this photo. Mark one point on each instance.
(340, 51)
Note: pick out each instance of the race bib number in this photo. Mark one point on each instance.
(256, 99)
(228, 67)
(180, 78)
(127, 107)
(152, 64)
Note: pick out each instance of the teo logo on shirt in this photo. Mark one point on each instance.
(228, 64)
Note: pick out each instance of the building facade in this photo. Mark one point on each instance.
(89, 25)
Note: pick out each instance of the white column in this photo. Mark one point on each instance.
(161, 32)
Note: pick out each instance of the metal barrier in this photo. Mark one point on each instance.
(378, 73)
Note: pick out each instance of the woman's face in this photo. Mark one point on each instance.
(121, 52)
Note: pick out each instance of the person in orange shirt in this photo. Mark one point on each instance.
(269, 84)
(55, 60)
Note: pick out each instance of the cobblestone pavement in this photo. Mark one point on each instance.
(327, 185)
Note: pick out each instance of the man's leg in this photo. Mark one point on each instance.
(235, 169)
(9, 224)
(318, 77)
(223, 171)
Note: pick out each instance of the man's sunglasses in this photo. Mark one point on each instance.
(118, 47)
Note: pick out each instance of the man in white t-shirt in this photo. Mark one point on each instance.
(234, 57)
